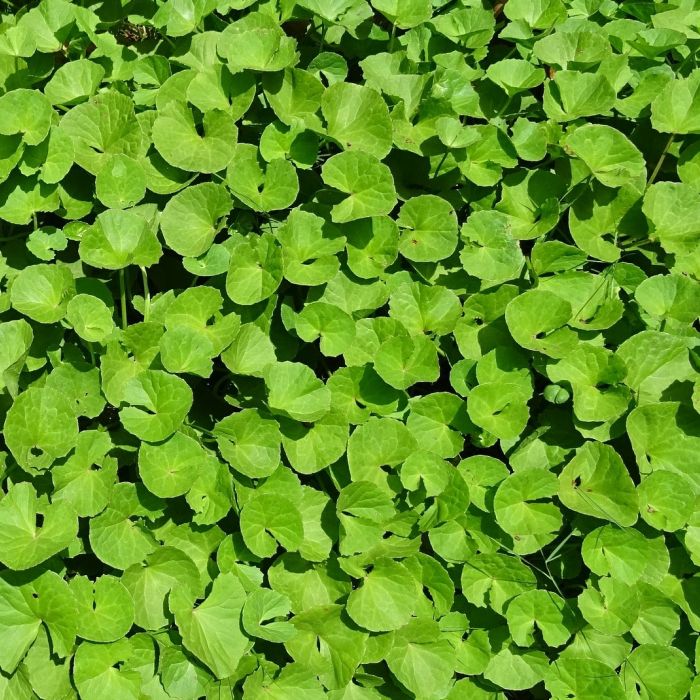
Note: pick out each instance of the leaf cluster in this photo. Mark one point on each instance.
(349, 349)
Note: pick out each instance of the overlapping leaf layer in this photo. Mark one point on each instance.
(349, 349)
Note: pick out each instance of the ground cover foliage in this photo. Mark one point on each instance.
(349, 349)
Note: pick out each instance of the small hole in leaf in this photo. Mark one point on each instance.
(36, 451)
(576, 482)
(39, 520)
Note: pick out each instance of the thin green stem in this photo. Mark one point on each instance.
(122, 296)
(554, 554)
(322, 37)
(146, 294)
(605, 275)
(661, 160)
(506, 104)
(391, 38)
(440, 164)
(167, 39)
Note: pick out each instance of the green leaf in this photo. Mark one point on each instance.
(309, 248)
(515, 669)
(584, 678)
(118, 536)
(15, 340)
(657, 671)
(212, 630)
(106, 610)
(294, 391)
(169, 468)
(149, 583)
(250, 442)
(428, 227)
(523, 508)
(582, 45)
(611, 157)
(494, 579)
(422, 660)
(259, 185)
(121, 182)
(572, 95)
(47, 674)
(542, 14)
(676, 108)
(178, 140)
(669, 297)
(334, 327)
(90, 317)
(499, 408)
(311, 449)
(405, 15)
(158, 402)
(104, 125)
(255, 269)
(268, 521)
(40, 427)
(404, 361)
(260, 616)
(74, 82)
(515, 75)
(662, 438)
(28, 540)
(256, 42)
(42, 292)
(357, 118)
(19, 625)
(367, 182)
(386, 599)
(327, 641)
(670, 208)
(537, 321)
(596, 482)
(26, 112)
(85, 479)
(190, 220)
(626, 555)
(544, 610)
(118, 239)
(611, 606)
(490, 252)
(107, 668)
(664, 502)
